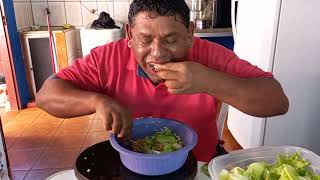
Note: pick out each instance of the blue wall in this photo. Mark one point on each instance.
(17, 53)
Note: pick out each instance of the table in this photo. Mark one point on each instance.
(104, 162)
(70, 175)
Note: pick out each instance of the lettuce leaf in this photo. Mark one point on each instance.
(286, 167)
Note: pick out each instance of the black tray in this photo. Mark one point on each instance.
(101, 161)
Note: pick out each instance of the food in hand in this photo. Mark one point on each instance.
(155, 67)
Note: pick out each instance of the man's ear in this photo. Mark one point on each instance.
(129, 35)
(191, 32)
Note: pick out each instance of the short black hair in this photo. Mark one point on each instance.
(162, 8)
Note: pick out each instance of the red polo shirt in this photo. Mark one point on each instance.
(112, 69)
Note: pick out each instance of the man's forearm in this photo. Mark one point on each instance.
(62, 99)
(260, 97)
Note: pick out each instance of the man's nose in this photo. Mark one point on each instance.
(158, 51)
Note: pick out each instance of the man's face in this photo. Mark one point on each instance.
(159, 40)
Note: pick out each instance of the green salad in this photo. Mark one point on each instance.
(163, 141)
(286, 167)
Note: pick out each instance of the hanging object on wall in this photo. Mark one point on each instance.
(104, 22)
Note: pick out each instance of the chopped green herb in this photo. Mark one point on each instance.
(287, 167)
(161, 142)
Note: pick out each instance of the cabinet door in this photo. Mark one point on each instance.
(41, 60)
(61, 49)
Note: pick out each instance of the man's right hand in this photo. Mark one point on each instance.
(63, 99)
(115, 117)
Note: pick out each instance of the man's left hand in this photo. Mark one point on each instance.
(186, 77)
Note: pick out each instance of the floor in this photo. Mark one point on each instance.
(40, 145)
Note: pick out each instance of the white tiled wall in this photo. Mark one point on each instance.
(106, 6)
(74, 12)
(57, 13)
(87, 16)
(23, 12)
(39, 12)
(121, 10)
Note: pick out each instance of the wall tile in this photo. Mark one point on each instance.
(107, 7)
(39, 1)
(73, 12)
(121, 10)
(71, 43)
(91, 0)
(18, 14)
(39, 13)
(29, 14)
(87, 16)
(23, 14)
(58, 14)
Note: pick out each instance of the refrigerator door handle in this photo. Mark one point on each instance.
(233, 18)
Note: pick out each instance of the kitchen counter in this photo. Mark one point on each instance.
(222, 36)
(70, 174)
(44, 30)
(215, 32)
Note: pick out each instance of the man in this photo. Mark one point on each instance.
(161, 70)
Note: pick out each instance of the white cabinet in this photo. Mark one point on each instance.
(91, 38)
(37, 57)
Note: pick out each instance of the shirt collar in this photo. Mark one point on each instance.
(132, 65)
(141, 73)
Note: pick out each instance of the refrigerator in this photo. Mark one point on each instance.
(283, 37)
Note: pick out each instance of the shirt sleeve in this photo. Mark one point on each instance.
(241, 68)
(224, 60)
(83, 73)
